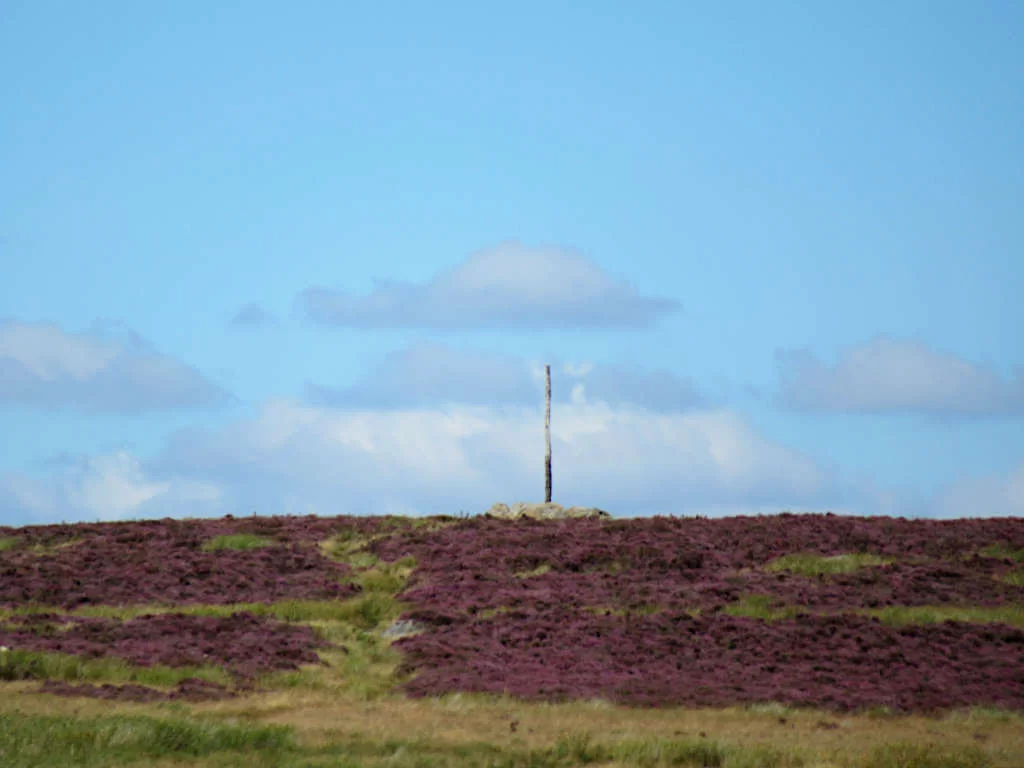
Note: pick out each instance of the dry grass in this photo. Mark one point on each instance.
(438, 731)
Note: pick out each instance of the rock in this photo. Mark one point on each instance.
(586, 512)
(499, 510)
(550, 511)
(402, 628)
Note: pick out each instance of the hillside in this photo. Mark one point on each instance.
(810, 622)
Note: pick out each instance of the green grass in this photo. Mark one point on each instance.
(22, 664)
(760, 607)
(657, 752)
(577, 749)
(925, 756)
(1003, 552)
(55, 741)
(901, 615)
(540, 570)
(810, 565)
(42, 741)
(236, 541)
(1015, 577)
(364, 670)
(367, 608)
(8, 543)
(283, 610)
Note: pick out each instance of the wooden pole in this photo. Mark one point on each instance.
(547, 434)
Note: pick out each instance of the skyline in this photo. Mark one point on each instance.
(316, 260)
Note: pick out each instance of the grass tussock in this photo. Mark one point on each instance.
(540, 570)
(8, 543)
(22, 664)
(1003, 552)
(1015, 577)
(812, 566)
(905, 755)
(901, 615)
(53, 546)
(284, 610)
(760, 607)
(236, 541)
(578, 749)
(490, 613)
(42, 741)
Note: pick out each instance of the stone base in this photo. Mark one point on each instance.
(522, 509)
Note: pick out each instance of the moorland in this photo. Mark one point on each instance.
(786, 640)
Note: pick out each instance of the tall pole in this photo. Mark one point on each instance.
(547, 434)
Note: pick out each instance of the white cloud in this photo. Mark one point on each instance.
(105, 487)
(507, 287)
(109, 368)
(627, 460)
(429, 373)
(294, 458)
(889, 375)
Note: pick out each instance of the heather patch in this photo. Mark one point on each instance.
(640, 609)
(831, 662)
(685, 564)
(133, 568)
(242, 643)
(471, 592)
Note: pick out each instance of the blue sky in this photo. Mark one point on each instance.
(312, 258)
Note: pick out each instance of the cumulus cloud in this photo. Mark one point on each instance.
(109, 368)
(104, 487)
(628, 460)
(507, 287)
(428, 373)
(890, 375)
(252, 316)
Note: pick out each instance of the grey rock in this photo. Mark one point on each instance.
(551, 511)
(402, 628)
